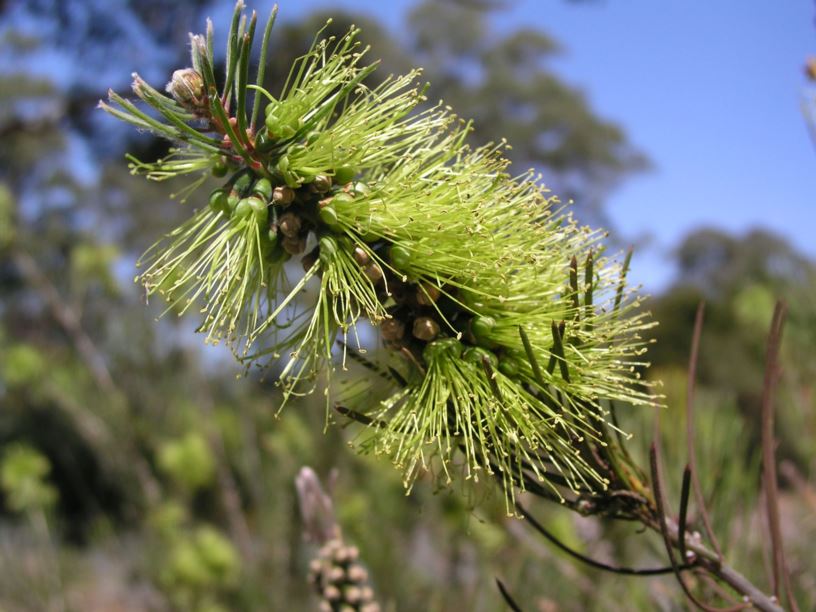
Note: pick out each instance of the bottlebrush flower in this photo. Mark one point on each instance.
(511, 327)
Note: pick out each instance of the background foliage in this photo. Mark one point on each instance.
(138, 473)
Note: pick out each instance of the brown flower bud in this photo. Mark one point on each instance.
(360, 256)
(289, 224)
(427, 294)
(425, 328)
(392, 329)
(283, 195)
(322, 183)
(374, 272)
(187, 88)
(294, 246)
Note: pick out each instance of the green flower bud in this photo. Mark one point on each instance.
(475, 354)
(342, 197)
(263, 188)
(328, 248)
(400, 257)
(344, 174)
(232, 202)
(243, 183)
(244, 209)
(444, 346)
(328, 215)
(312, 137)
(259, 209)
(220, 167)
(218, 201)
(509, 366)
(481, 327)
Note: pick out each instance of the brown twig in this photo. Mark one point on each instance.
(781, 575)
(667, 540)
(626, 571)
(508, 599)
(692, 454)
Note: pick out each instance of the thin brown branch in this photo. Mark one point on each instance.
(692, 454)
(626, 571)
(508, 599)
(781, 575)
(682, 519)
(667, 540)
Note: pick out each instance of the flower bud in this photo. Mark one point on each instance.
(425, 328)
(289, 224)
(218, 201)
(400, 257)
(263, 189)
(322, 183)
(475, 355)
(294, 246)
(187, 88)
(392, 329)
(481, 327)
(283, 195)
(509, 366)
(374, 272)
(427, 294)
(344, 174)
(328, 215)
(328, 248)
(360, 256)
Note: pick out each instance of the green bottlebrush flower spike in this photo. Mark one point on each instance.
(510, 348)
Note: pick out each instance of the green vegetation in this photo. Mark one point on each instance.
(131, 458)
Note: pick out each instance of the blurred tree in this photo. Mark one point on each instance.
(740, 277)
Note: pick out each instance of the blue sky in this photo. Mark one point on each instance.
(711, 91)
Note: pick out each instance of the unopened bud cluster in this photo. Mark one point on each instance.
(340, 580)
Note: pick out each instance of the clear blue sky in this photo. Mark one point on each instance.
(710, 91)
